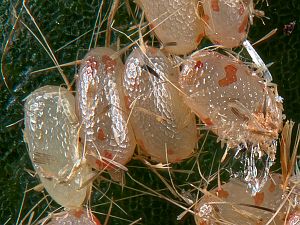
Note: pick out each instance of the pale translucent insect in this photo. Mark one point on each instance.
(232, 101)
(73, 217)
(100, 105)
(231, 204)
(177, 24)
(226, 21)
(51, 133)
(163, 124)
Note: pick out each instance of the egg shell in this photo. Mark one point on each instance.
(100, 106)
(162, 123)
(231, 100)
(226, 21)
(177, 24)
(51, 134)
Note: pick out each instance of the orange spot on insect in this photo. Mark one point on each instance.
(109, 63)
(107, 154)
(198, 65)
(99, 164)
(259, 198)
(215, 5)
(243, 25)
(230, 78)
(205, 18)
(78, 213)
(221, 193)
(103, 163)
(101, 135)
(170, 151)
(271, 187)
(199, 37)
(153, 51)
(127, 102)
(207, 121)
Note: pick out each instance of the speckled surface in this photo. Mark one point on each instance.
(64, 21)
(162, 123)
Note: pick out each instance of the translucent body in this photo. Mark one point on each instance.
(176, 24)
(73, 217)
(236, 104)
(101, 110)
(161, 121)
(231, 204)
(226, 21)
(51, 133)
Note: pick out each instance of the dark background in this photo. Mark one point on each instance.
(63, 21)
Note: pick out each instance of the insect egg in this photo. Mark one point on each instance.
(226, 21)
(232, 101)
(51, 134)
(100, 105)
(177, 24)
(162, 123)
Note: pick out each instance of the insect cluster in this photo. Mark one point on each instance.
(152, 101)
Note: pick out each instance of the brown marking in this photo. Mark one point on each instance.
(221, 193)
(79, 139)
(109, 63)
(107, 154)
(244, 24)
(215, 5)
(170, 151)
(205, 18)
(127, 102)
(198, 65)
(153, 51)
(207, 121)
(271, 187)
(99, 164)
(230, 78)
(259, 198)
(78, 213)
(101, 135)
(199, 38)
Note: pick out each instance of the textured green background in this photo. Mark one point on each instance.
(63, 21)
